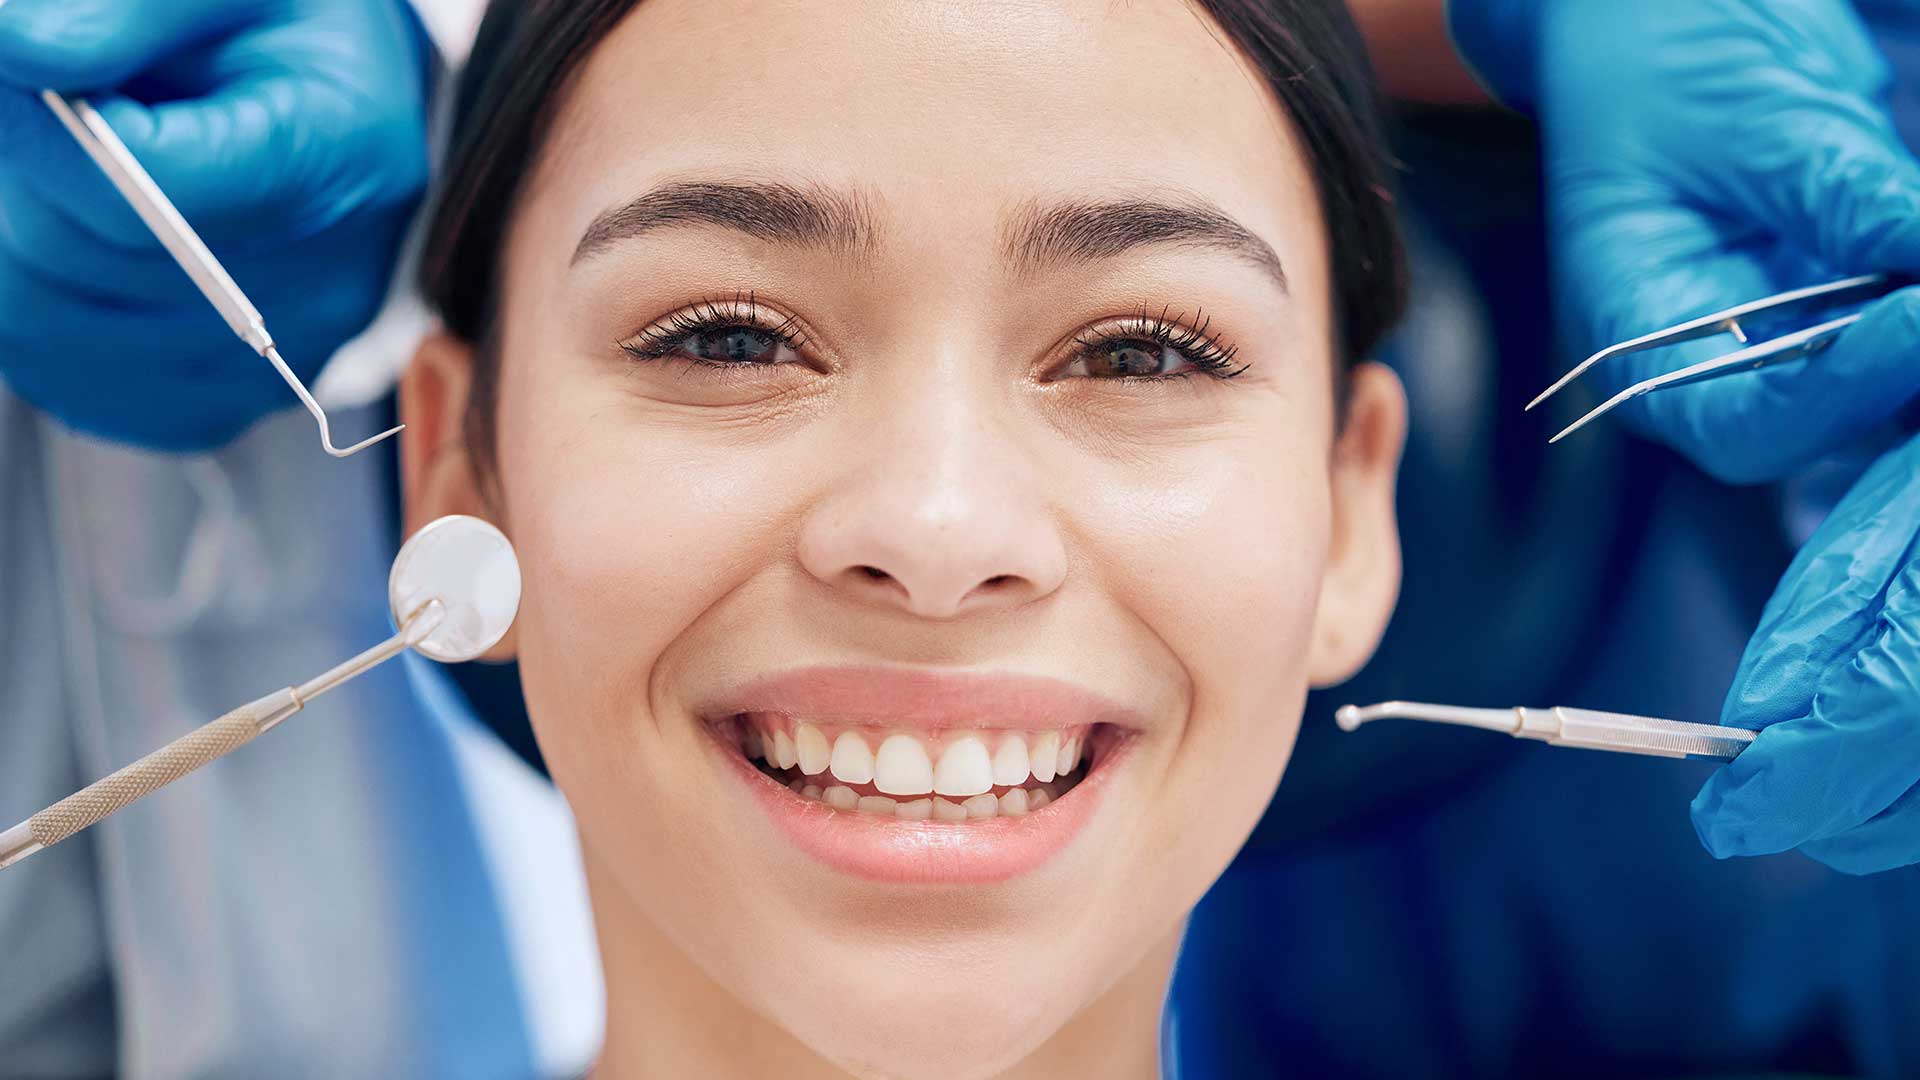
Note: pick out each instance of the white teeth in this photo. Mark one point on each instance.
(964, 769)
(904, 767)
(852, 761)
(1010, 762)
(1069, 756)
(1045, 755)
(901, 768)
(783, 756)
(812, 748)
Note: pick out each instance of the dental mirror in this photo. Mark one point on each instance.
(467, 565)
(453, 590)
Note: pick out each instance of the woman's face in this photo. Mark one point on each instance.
(863, 401)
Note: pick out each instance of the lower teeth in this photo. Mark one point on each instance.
(1008, 802)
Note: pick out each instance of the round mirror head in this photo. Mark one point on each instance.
(469, 566)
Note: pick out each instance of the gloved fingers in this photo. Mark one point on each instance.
(1886, 841)
(79, 45)
(252, 167)
(46, 168)
(62, 215)
(66, 328)
(168, 378)
(1633, 255)
(1757, 426)
(1821, 614)
(1853, 755)
(1830, 172)
(87, 290)
(53, 244)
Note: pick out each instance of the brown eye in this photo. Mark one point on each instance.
(1148, 348)
(1125, 358)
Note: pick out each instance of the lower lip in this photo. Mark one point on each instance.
(927, 852)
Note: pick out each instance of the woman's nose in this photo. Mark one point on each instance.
(937, 532)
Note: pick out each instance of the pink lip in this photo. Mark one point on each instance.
(929, 852)
(917, 698)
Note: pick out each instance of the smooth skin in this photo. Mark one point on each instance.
(1202, 549)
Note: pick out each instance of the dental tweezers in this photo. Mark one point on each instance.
(1561, 726)
(1777, 350)
(97, 138)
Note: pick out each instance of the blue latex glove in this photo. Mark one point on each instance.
(1833, 681)
(290, 134)
(1699, 155)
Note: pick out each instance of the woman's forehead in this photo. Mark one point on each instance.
(951, 119)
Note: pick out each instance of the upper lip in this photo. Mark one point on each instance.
(921, 698)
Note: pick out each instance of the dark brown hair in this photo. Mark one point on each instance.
(527, 51)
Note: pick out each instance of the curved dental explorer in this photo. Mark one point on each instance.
(1728, 321)
(1562, 726)
(453, 591)
(96, 137)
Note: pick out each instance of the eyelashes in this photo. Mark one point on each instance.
(736, 333)
(1190, 341)
(701, 324)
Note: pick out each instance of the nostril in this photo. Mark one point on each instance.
(875, 573)
(996, 580)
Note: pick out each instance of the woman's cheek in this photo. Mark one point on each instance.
(627, 531)
(1220, 549)
(1222, 558)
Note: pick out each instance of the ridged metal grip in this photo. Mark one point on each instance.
(156, 770)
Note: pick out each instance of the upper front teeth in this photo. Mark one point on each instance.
(901, 768)
(964, 768)
(966, 765)
(1010, 763)
(851, 760)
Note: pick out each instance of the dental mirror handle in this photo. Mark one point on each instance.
(198, 747)
(146, 776)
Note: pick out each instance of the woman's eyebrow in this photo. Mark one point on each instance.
(1039, 234)
(781, 213)
(1035, 235)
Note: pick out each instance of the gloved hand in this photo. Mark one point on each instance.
(1833, 681)
(289, 133)
(1699, 155)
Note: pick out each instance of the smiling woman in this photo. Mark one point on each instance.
(939, 451)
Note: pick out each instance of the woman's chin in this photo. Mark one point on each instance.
(913, 1022)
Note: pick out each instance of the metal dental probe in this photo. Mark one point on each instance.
(97, 138)
(1562, 726)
